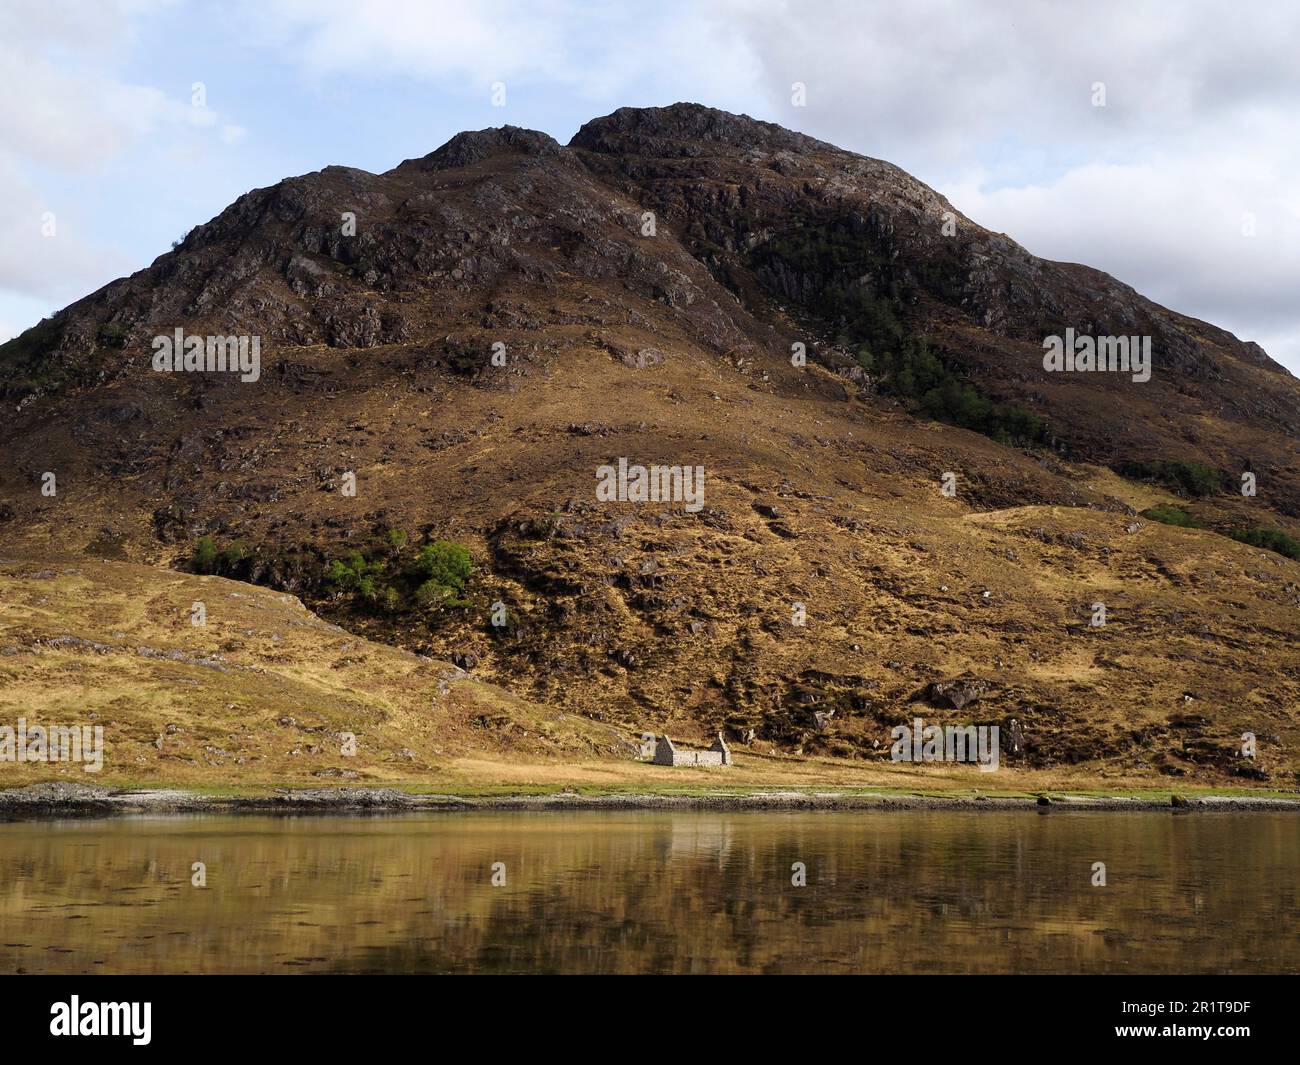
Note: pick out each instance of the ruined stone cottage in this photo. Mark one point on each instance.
(668, 753)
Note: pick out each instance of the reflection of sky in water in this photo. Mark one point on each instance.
(655, 892)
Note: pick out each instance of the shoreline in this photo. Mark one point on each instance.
(52, 801)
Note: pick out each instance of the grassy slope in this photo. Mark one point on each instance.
(258, 697)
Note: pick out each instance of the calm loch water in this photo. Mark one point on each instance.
(654, 892)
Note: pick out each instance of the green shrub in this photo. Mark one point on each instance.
(444, 562)
(233, 554)
(341, 575)
(1185, 478)
(431, 594)
(1172, 516)
(206, 556)
(1271, 540)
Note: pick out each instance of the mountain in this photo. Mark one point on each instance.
(643, 289)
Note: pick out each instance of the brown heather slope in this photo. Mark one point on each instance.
(822, 487)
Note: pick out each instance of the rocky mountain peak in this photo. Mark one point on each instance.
(473, 146)
(686, 129)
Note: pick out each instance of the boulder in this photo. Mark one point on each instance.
(957, 693)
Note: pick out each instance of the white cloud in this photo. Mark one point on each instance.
(595, 51)
(66, 114)
(993, 106)
(1192, 232)
(61, 106)
(43, 251)
(410, 37)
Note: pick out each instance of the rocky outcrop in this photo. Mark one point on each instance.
(958, 693)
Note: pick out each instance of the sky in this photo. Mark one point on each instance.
(1159, 142)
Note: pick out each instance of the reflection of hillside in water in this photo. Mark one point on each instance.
(703, 837)
(921, 892)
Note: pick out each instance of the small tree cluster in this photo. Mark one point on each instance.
(208, 558)
(382, 581)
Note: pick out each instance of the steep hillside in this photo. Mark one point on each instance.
(667, 338)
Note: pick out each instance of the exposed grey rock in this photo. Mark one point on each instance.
(957, 693)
